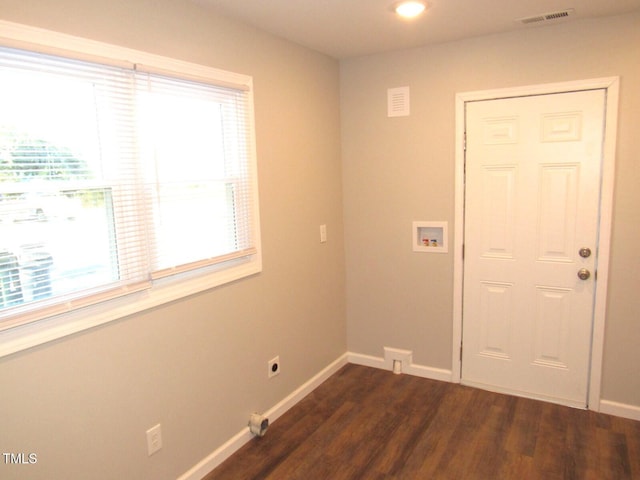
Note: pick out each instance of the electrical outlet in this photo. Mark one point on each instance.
(274, 367)
(154, 439)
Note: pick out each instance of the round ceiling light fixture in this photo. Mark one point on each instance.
(410, 9)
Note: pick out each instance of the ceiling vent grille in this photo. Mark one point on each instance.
(546, 17)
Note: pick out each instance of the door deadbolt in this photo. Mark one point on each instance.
(584, 252)
(584, 274)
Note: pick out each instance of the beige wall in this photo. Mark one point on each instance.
(197, 366)
(396, 170)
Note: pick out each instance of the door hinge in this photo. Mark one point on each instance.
(464, 142)
(461, 352)
(463, 251)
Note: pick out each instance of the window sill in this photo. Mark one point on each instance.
(163, 291)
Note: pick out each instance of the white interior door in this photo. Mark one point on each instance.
(532, 187)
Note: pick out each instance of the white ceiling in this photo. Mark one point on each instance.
(350, 28)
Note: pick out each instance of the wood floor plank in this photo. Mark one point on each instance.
(522, 435)
(440, 445)
(369, 424)
(516, 466)
(632, 434)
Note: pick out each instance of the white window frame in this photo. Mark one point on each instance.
(163, 290)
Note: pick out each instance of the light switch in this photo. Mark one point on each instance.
(323, 233)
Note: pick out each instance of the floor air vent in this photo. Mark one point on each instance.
(546, 17)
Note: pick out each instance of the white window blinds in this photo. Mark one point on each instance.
(111, 177)
(195, 151)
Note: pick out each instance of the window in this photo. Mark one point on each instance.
(117, 179)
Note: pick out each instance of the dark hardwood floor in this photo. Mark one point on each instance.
(370, 424)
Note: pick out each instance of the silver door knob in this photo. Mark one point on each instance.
(584, 252)
(584, 274)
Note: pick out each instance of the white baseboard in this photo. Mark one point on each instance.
(411, 369)
(606, 406)
(366, 360)
(423, 371)
(620, 409)
(219, 455)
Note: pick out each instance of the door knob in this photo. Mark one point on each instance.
(584, 252)
(584, 274)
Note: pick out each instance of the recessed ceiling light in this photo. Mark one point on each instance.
(410, 9)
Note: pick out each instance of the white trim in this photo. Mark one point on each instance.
(52, 328)
(28, 335)
(422, 371)
(55, 43)
(623, 410)
(604, 243)
(432, 373)
(458, 238)
(611, 85)
(367, 361)
(227, 449)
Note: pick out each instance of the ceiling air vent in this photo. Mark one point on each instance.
(546, 17)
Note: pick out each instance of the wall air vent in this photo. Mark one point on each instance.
(546, 17)
(398, 102)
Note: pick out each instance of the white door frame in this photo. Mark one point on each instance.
(611, 85)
